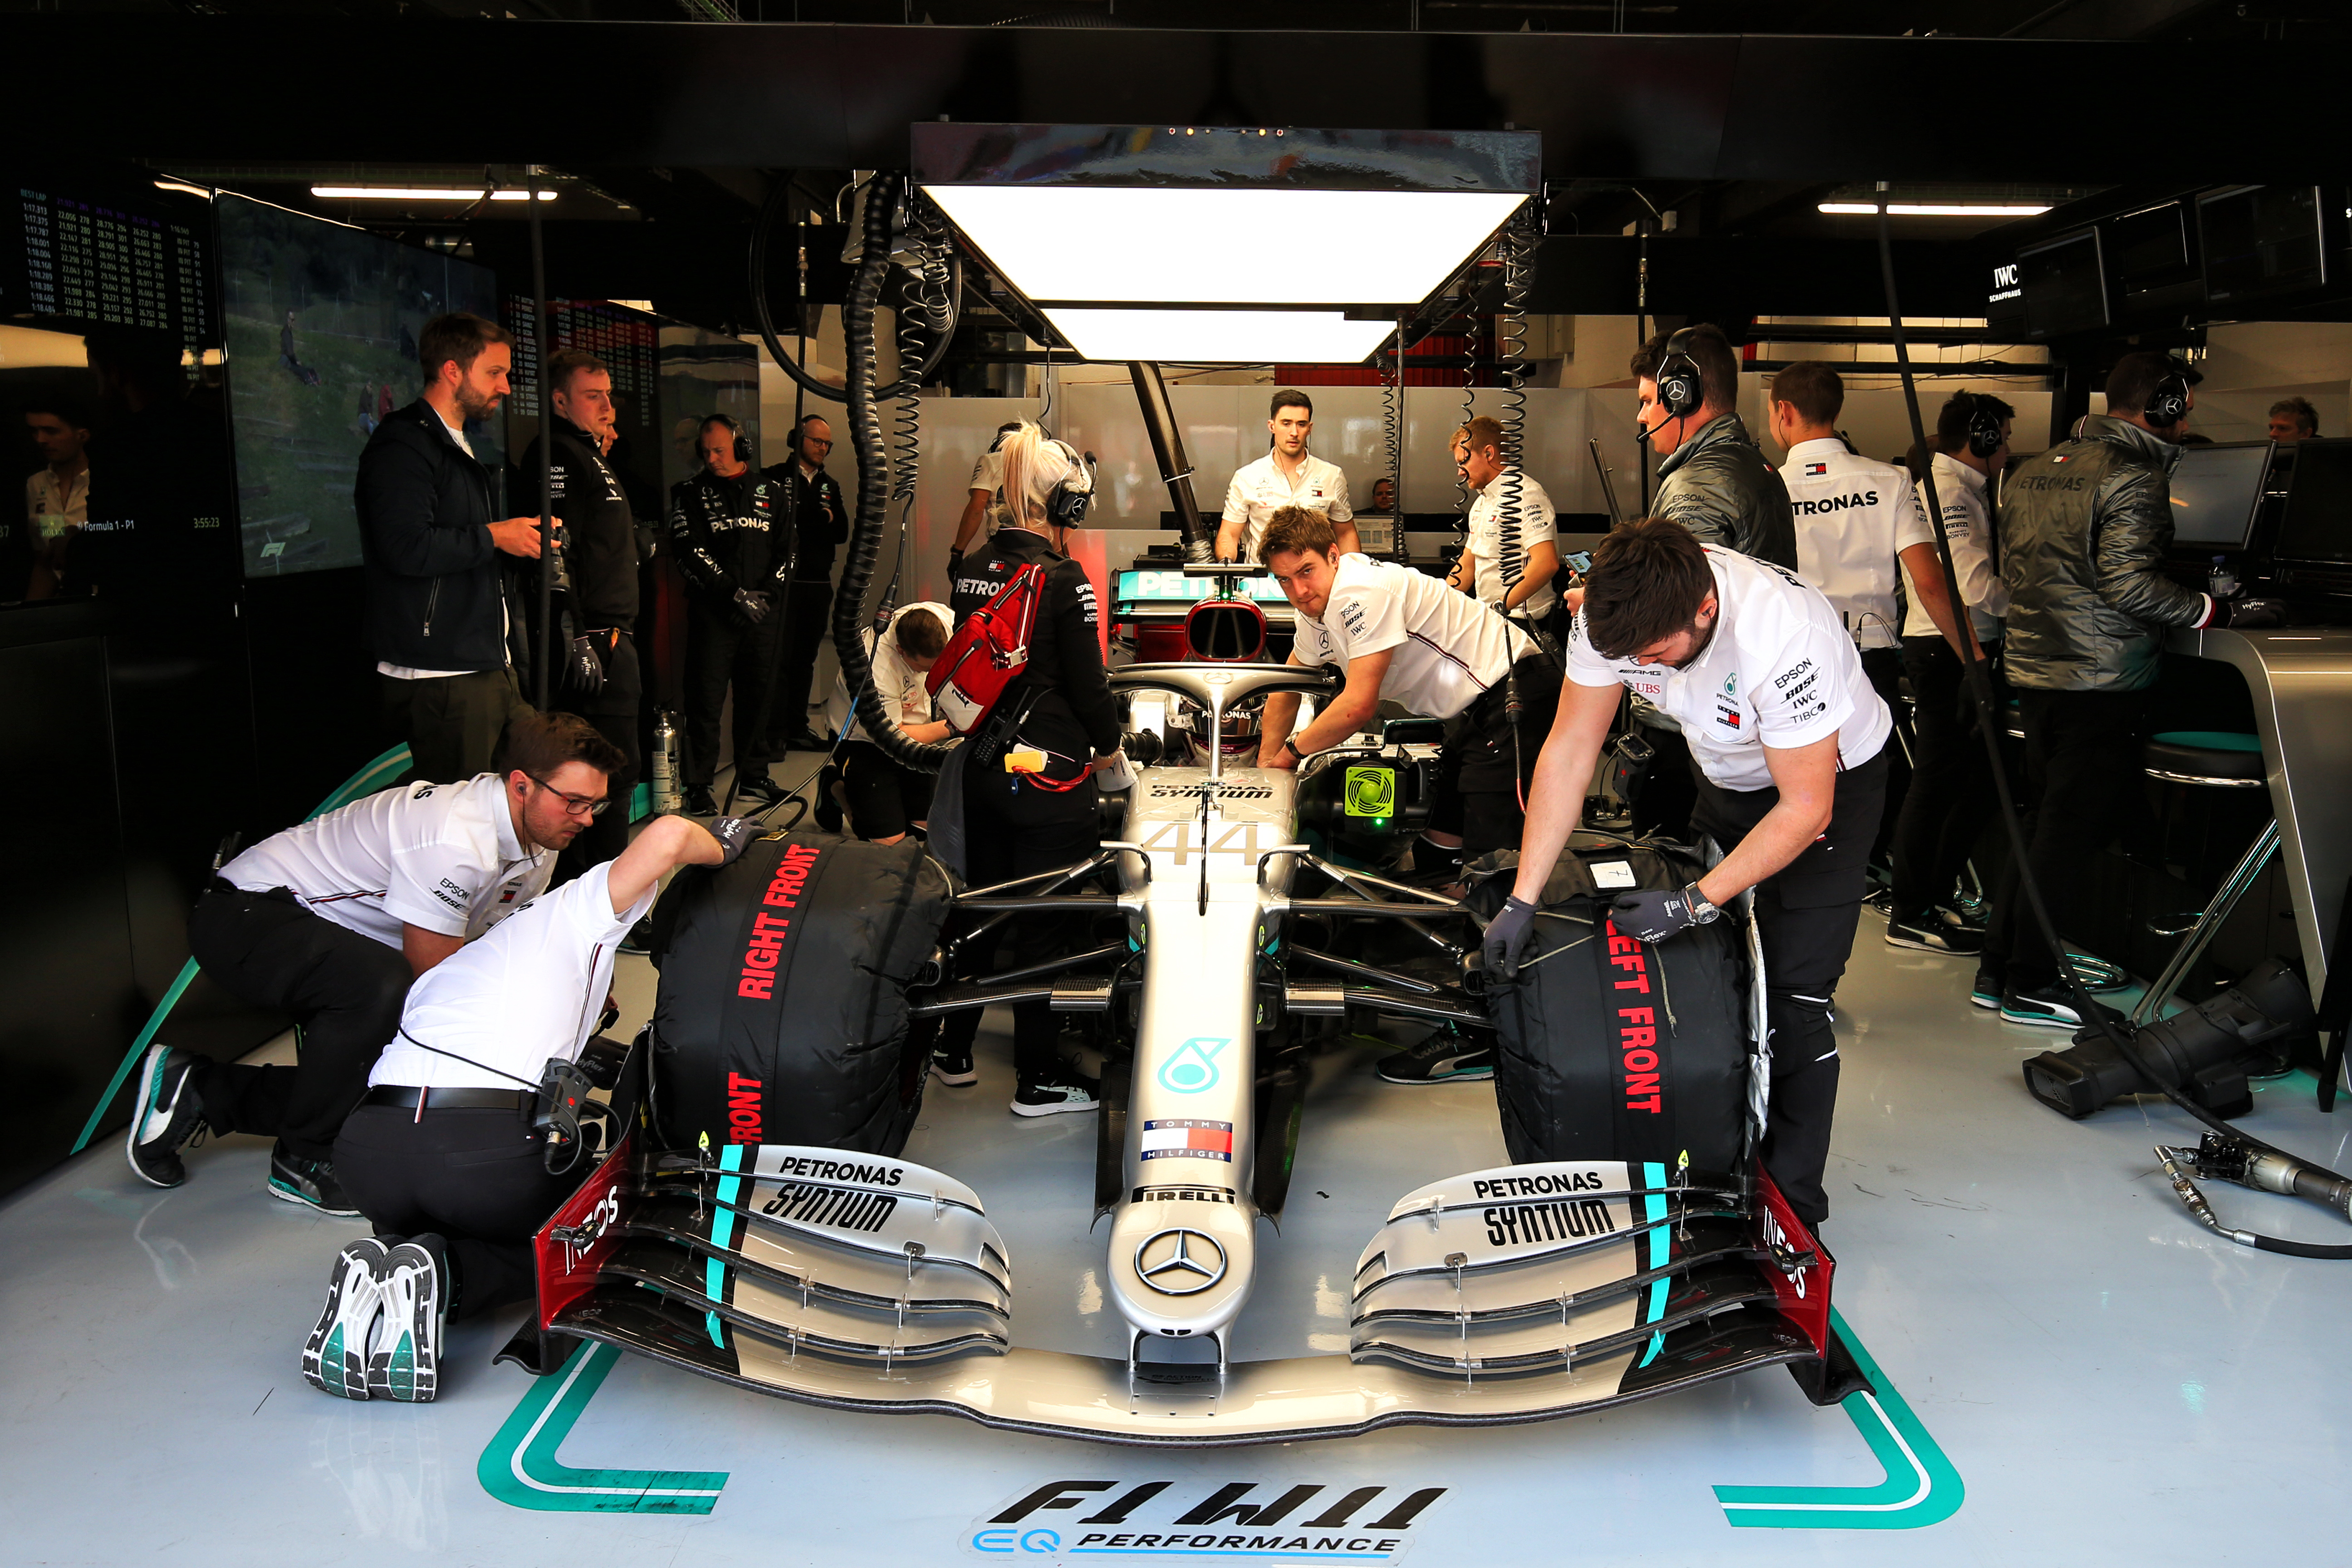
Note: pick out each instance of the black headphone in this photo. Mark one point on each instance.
(1681, 386)
(1075, 493)
(742, 442)
(1984, 425)
(2167, 402)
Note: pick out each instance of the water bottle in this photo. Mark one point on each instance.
(667, 796)
(2223, 583)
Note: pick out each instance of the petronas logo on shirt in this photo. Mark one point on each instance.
(1731, 684)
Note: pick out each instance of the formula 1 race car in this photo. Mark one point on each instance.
(757, 1226)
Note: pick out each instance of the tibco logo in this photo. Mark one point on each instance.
(1267, 1520)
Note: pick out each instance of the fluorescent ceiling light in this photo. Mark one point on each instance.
(419, 194)
(1221, 337)
(1935, 209)
(1238, 247)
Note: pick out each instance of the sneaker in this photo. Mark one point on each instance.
(1927, 933)
(308, 1182)
(1051, 1097)
(2051, 1006)
(169, 1113)
(1985, 992)
(759, 788)
(414, 1280)
(698, 802)
(954, 1069)
(1963, 920)
(334, 1357)
(808, 740)
(1443, 1058)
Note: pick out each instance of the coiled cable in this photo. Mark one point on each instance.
(779, 197)
(1392, 434)
(1510, 343)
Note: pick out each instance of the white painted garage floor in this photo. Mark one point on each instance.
(2074, 1372)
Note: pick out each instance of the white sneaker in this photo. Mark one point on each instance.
(1053, 1097)
(335, 1358)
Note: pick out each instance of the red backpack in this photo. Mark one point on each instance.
(988, 653)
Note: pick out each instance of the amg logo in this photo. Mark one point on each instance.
(1569, 1221)
(1538, 1186)
(1832, 503)
(842, 1208)
(1183, 1195)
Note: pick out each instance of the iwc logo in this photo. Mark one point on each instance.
(1180, 1262)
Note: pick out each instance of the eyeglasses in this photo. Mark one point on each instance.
(573, 804)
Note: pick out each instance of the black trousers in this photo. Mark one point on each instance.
(615, 714)
(1668, 794)
(1015, 829)
(2082, 775)
(1883, 669)
(1951, 796)
(1483, 769)
(720, 649)
(885, 799)
(471, 1177)
(804, 633)
(1806, 914)
(451, 722)
(344, 989)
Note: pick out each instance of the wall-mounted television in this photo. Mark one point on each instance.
(2065, 286)
(2261, 241)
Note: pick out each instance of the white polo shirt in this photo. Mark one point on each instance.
(1780, 670)
(894, 675)
(1968, 523)
(1260, 489)
(1854, 516)
(1486, 540)
(530, 990)
(1449, 648)
(443, 858)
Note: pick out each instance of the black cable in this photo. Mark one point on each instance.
(764, 225)
(1981, 692)
(1511, 333)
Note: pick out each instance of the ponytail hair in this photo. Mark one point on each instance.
(1033, 464)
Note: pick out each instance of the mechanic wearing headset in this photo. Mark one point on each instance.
(1951, 796)
(987, 479)
(329, 921)
(1400, 634)
(2084, 527)
(442, 1154)
(1789, 740)
(726, 525)
(1289, 475)
(1714, 480)
(1035, 810)
(595, 673)
(820, 523)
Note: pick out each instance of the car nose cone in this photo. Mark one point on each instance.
(1179, 1261)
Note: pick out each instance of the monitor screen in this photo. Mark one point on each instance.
(2215, 491)
(2149, 248)
(2065, 289)
(321, 322)
(2318, 522)
(2261, 240)
(110, 251)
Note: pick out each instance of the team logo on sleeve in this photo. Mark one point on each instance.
(1814, 470)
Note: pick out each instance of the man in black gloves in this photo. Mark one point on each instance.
(728, 525)
(1788, 739)
(820, 522)
(442, 1155)
(595, 673)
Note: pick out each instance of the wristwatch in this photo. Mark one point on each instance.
(1702, 913)
(1295, 754)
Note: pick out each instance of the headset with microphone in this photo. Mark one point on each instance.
(1985, 436)
(1682, 387)
(2168, 401)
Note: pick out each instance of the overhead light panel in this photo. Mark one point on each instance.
(1935, 209)
(419, 194)
(1317, 240)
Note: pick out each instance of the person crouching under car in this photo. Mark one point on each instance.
(442, 1154)
(1401, 635)
(1788, 739)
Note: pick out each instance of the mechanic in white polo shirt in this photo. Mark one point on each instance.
(329, 921)
(1788, 742)
(1510, 574)
(1289, 474)
(442, 1155)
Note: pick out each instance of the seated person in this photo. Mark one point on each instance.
(441, 1155)
(885, 800)
(330, 920)
(1404, 636)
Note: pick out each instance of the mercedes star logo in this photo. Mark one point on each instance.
(1180, 1262)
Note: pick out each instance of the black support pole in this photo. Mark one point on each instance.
(544, 652)
(1168, 451)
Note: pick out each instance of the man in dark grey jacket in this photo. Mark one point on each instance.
(1714, 481)
(435, 614)
(2084, 531)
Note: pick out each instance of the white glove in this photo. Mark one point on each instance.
(1114, 772)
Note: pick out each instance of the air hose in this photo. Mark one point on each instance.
(873, 487)
(2229, 1154)
(933, 316)
(944, 325)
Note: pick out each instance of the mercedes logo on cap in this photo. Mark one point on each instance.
(1180, 1262)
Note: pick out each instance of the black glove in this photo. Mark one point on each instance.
(955, 568)
(750, 608)
(1507, 934)
(583, 671)
(735, 835)
(1658, 914)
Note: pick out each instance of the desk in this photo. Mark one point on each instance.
(2301, 681)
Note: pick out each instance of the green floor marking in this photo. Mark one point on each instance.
(519, 1467)
(1921, 1486)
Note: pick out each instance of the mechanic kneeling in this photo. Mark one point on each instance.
(885, 800)
(1400, 634)
(442, 1155)
(1788, 739)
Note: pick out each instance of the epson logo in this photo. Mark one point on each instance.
(1271, 1522)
